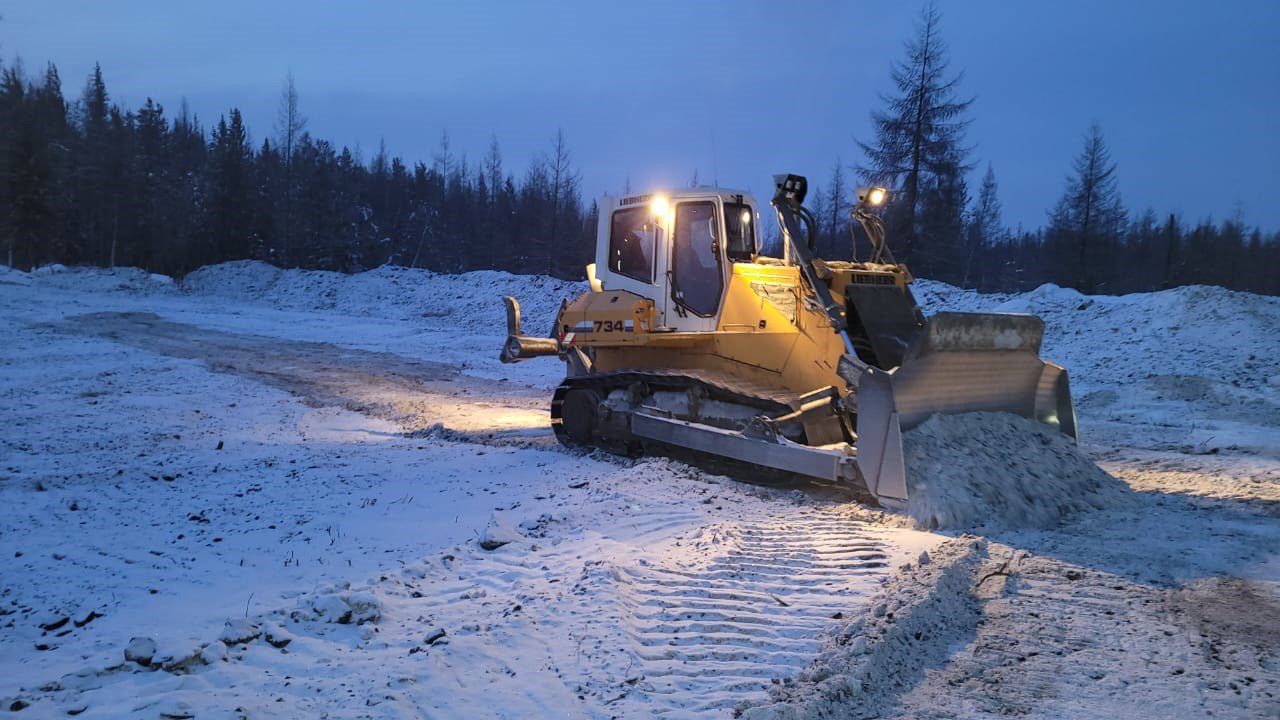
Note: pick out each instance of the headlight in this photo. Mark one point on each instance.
(660, 205)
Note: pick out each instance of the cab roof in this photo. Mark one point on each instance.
(700, 191)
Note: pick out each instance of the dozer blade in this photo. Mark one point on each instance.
(960, 362)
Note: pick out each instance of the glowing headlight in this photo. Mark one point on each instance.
(660, 205)
(876, 196)
(746, 216)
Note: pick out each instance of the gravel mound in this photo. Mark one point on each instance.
(999, 471)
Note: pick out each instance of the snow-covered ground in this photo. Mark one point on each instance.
(274, 487)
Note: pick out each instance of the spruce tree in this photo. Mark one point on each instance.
(1090, 215)
(29, 190)
(984, 229)
(90, 182)
(918, 148)
(228, 187)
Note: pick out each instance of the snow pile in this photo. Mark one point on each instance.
(127, 280)
(470, 301)
(913, 622)
(245, 279)
(13, 276)
(1232, 337)
(343, 608)
(997, 470)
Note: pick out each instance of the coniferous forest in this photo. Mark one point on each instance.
(89, 182)
(85, 181)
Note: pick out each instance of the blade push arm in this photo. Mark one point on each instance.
(786, 202)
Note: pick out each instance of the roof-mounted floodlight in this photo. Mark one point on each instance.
(872, 196)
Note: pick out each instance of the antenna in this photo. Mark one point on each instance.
(715, 165)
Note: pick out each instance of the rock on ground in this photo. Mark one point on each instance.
(140, 650)
(499, 532)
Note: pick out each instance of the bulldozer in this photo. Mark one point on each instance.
(691, 341)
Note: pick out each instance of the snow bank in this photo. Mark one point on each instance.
(13, 276)
(1200, 330)
(1230, 337)
(470, 301)
(997, 470)
(127, 280)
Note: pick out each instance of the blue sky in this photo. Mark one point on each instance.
(1187, 93)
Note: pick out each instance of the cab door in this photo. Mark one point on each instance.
(697, 269)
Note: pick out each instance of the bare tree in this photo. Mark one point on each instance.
(492, 169)
(442, 163)
(564, 192)
(290, 125)
(837, 206)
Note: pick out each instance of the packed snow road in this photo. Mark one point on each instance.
(415, 394)
(270, 494)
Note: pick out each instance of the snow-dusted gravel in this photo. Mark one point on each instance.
(280, 480)
(996, 471)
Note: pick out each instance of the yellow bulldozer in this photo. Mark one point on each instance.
(692, 342)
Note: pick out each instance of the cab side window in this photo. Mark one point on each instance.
(740, 227)
(631, 234)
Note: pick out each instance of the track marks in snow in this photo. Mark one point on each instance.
(747, 604)
(688, 620)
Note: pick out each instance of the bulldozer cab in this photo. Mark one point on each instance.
(678, 250)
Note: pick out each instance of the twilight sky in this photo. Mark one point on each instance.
(1187, 92)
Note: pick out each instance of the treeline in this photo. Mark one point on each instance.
(1092, 242)
(88, 182)
(1119, 254)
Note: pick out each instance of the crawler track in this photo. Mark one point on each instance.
(711, 385)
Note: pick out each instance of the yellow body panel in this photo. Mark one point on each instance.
(606, 318)
(766, 334)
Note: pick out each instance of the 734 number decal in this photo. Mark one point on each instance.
(611, 326)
